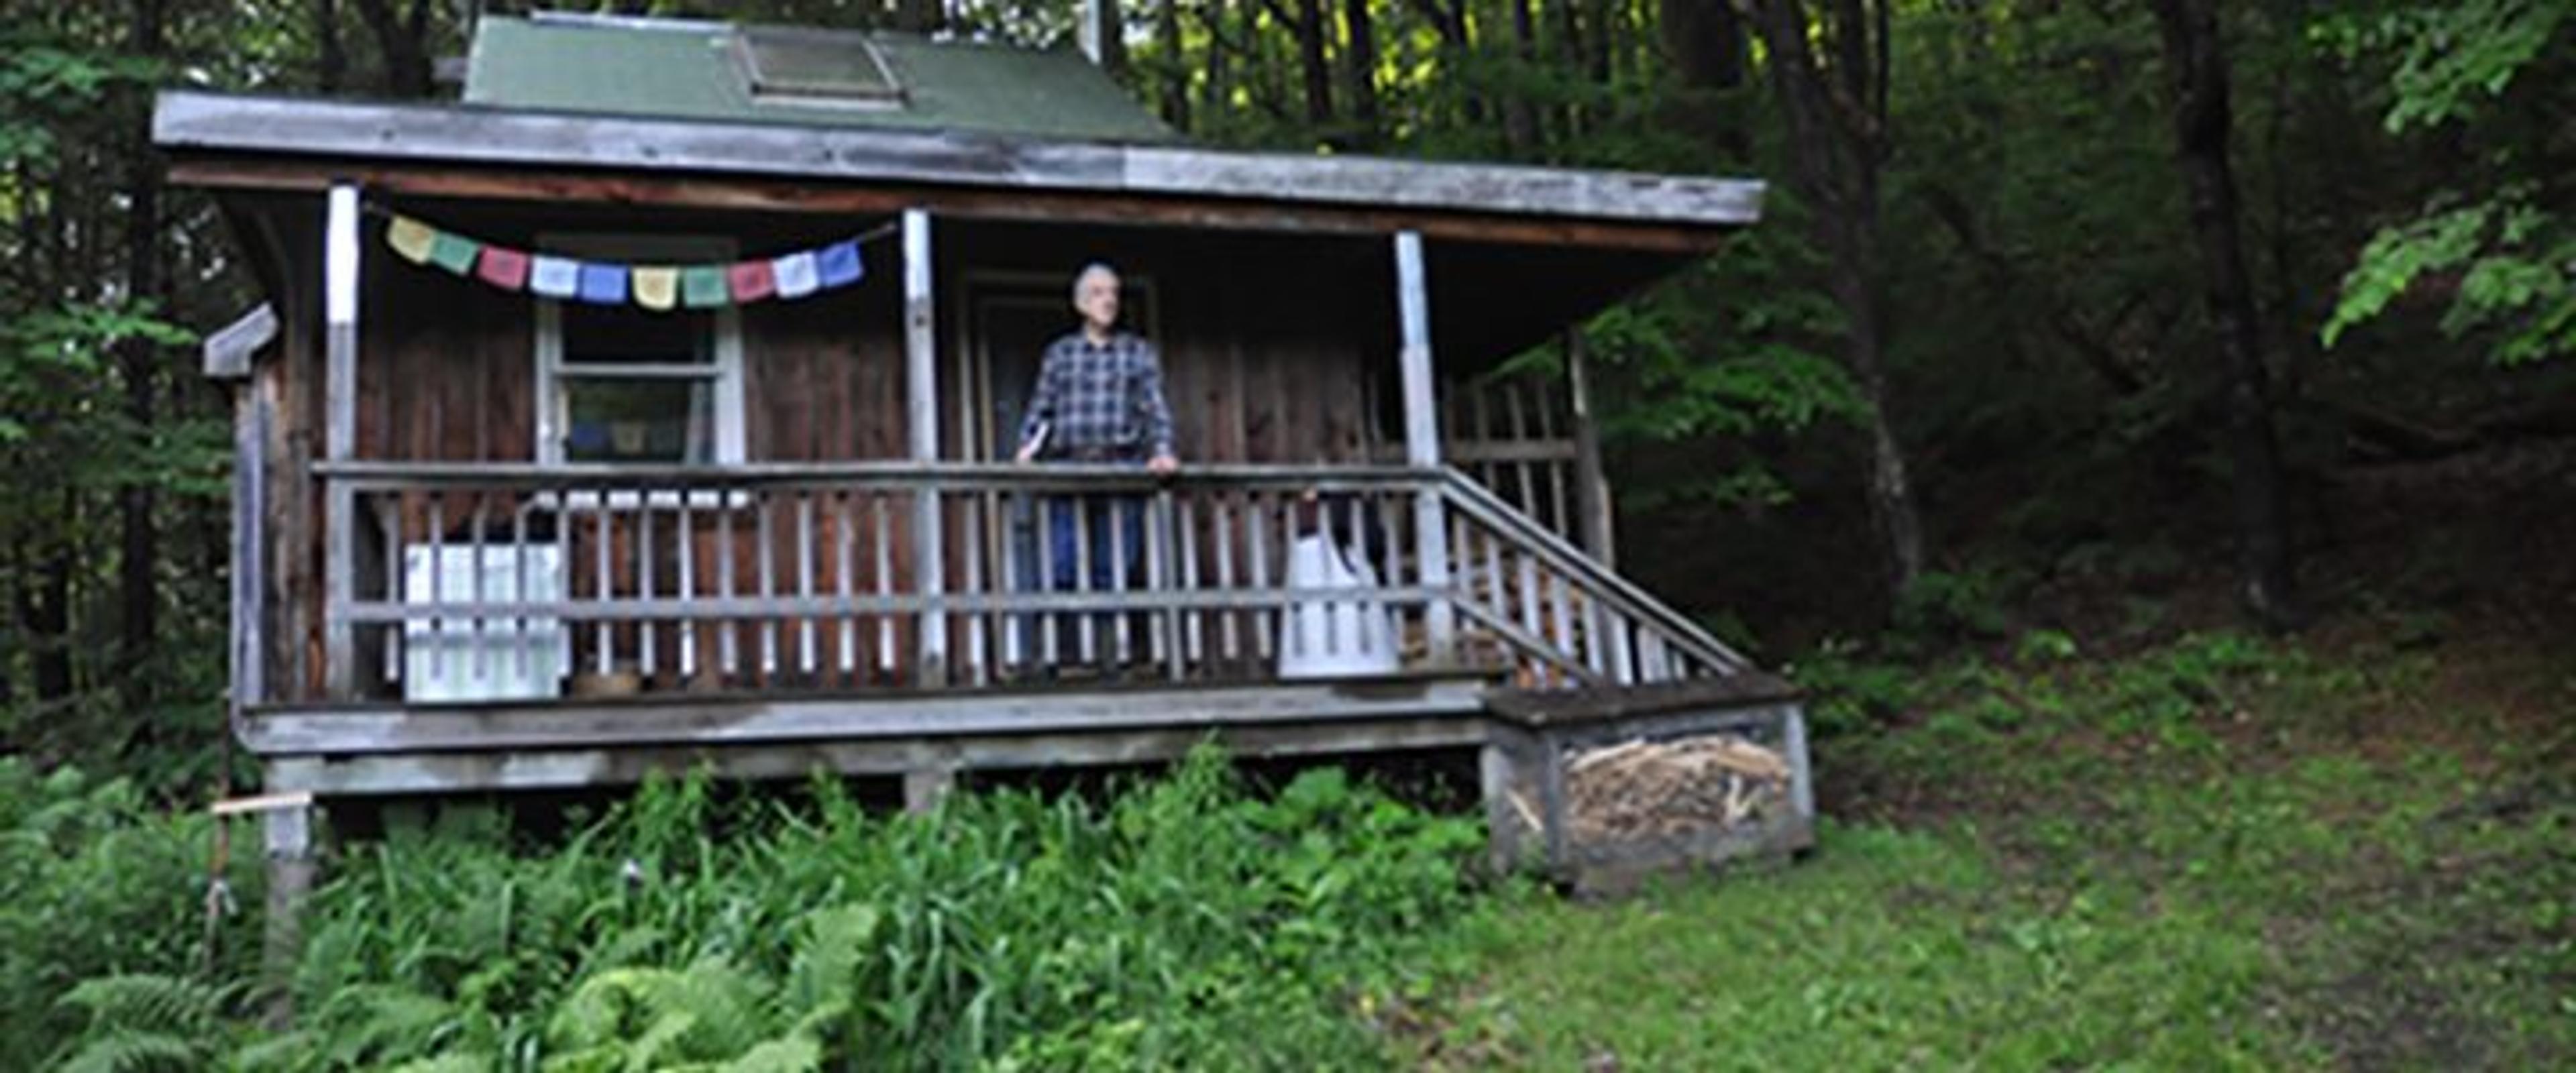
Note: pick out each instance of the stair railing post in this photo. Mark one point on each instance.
(1422, 448)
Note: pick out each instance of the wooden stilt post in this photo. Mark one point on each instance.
(1422, 445)
(286, 833)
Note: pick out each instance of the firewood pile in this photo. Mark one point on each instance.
(1639, 790)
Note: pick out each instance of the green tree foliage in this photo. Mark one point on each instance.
(2482, 72)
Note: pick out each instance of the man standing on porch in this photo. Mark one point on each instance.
(1098, 400)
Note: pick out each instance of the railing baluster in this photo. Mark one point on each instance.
(1229, 620)
(1257, 528)
(1004, 511)
(971, 544)
(762, 502)
(844, 545)
(1049, 507)
(1186, 533)
(805, 578)
(437, 587)
(645, 628)
(566, 571)
(1166, 636)
(394, 523)
(522, 632)
(603, 591)
(1561, 621)
(728, 628)
(1120, 509)
(684, 547)
(883, 540)
(1082, 566)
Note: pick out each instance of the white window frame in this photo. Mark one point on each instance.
(727, 404)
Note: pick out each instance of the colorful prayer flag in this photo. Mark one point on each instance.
(795, 274)
(603, 284)
(410, 238)
(503, 268)
(454, 253)
(555, 277)
(839, 266)
(751, 281)
(702, 286)
(657, 286)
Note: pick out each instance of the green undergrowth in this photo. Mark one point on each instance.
(2225, 852)
(1184, 924)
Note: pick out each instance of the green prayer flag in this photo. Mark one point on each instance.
(702, 286)
(454, 253)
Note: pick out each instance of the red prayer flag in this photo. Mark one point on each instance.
(751, 281)
(506, 269)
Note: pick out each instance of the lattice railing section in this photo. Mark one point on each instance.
(486, 583)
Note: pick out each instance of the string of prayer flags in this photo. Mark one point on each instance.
(789, 276)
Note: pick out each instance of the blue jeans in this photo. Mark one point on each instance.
(1098, 514)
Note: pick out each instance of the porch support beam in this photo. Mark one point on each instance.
(1591, 487)
(1422, 442)
(921, 425)
(340, 432)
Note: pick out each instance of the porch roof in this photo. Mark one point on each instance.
(254, 141)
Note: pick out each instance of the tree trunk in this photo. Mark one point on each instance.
(1837, 137)
(1216, 95)
(1520, 125)
(1359, 58)
(2196, 64)
(1113, 38)
(332, 70)
(1705, 41)
(403, 40)
(138, 564)
(922, 16)
(45, 610)
(1317, 63)
(1174, 81)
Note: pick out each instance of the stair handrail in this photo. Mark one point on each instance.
(1465, 494)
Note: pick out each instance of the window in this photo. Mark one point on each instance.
(626, 385)
(787, 65)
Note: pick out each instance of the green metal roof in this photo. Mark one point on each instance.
(696, 70)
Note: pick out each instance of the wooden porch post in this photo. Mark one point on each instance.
(1422, 443)
(921, 420)
(340, 436)
(1591, 488)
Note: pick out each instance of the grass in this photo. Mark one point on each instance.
(2226, 853)
(2351, 850)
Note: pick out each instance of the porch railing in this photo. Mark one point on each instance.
(482, 582)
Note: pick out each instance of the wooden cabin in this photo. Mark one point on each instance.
(501, 529)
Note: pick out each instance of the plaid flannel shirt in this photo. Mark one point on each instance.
(1094, 396)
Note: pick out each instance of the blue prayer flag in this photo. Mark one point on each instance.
(839, 264)
(603, 284)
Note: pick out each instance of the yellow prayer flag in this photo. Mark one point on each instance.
(657, 286)
(411, 238)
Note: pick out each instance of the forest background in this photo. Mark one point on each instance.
(2094, 315)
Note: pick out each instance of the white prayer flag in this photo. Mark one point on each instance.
(555, 277)
(796, 275)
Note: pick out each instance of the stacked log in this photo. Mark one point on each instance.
(1648, 790)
